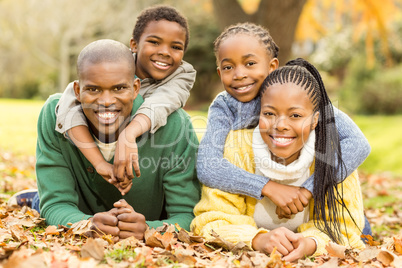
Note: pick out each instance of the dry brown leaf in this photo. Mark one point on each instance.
(52, 230)
(93, 248)
(368, 253)
(336, 250)
(155, 240)
(167, 239)
(385, 257)
(398, 245)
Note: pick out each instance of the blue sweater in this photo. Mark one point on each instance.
(227, 113)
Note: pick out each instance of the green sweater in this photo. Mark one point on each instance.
(70, 190)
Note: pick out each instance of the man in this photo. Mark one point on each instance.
(70, 190)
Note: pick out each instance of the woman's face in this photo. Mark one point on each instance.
(286, 120)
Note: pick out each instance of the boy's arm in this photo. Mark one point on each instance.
(166, 98)
(354, 146)
(213, 169)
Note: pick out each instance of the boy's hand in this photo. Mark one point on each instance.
(130, 222)
(281, 238)
(125, 185)
(106, 171)
(126, 156)
(288, 198)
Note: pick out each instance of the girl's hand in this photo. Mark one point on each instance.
(281, 238)
(282, 214)
(125, 185)
(288, 198)
(126, 156)
(304, 246)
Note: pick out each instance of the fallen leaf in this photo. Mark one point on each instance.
(336, 250)
(398, 245)
(52, 230)
(93, 248)
(385, 257)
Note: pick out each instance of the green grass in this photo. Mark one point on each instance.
(18, 133)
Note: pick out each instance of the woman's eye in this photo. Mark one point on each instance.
(296, 115)
(268, 114)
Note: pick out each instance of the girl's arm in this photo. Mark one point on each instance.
(213, 169)
(354, 145)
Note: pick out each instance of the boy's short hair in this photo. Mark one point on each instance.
(105, 50)
(156, 13)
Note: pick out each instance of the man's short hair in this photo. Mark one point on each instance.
(105, 50)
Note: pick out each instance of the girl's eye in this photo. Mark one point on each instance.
(225, 68)
(251, 63)
(296, 116)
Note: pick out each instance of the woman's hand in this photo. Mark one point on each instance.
(280, 238)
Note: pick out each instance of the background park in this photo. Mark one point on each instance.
(356, 45)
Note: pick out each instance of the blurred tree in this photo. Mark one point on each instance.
(280, 17)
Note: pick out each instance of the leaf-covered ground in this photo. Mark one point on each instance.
(25, 240)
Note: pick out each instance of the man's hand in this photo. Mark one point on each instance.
(288, 198)
(106, 171)
(106, 223)
(281, 238)
(130, 222)
(126, 156)
(304, 246)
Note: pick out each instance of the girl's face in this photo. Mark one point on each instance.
(286, 120)
(243, 64)
(160, 49)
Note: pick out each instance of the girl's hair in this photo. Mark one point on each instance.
(328, 156)
(157, 13)
(259, 32)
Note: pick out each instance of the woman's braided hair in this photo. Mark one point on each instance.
(328, 156)
(261, 33)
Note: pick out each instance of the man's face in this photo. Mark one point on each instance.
(106, 91)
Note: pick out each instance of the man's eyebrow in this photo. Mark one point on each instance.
(89, 85)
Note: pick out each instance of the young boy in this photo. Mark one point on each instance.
(160, 38)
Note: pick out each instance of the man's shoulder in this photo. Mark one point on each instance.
(178, 116)
(51, 103)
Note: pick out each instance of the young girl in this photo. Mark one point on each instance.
(245, 55)
(160, 38)
(296, 136)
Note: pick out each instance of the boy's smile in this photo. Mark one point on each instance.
(243, 64)
(160, 49)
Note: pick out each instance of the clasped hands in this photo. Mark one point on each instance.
(289, 199)
(121, 222)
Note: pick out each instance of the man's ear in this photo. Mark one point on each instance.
(133, 45)
(77, 90)
(273, 65)
(316, 116)
(136, 86)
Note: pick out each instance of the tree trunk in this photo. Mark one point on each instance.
(279, 16)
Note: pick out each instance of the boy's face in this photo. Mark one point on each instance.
(106, 91)
(286, 120)
(160, 49)
(243, 64)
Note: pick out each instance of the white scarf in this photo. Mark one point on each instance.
(296, 173)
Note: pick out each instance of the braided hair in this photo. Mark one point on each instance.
(328, 156)
(261, 33)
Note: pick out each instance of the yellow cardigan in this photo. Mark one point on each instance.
(231, 215)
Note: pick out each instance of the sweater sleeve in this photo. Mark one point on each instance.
(228, 215)
(213, 169)
(181, 187)
(354, 146)
(56, 184)
(168, 97)
(68, 111)
(351, 227)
